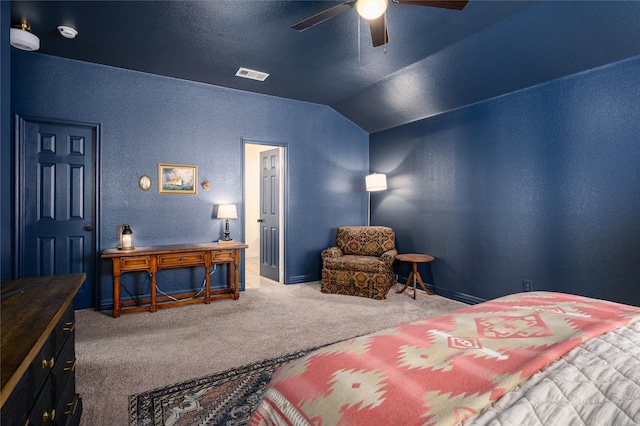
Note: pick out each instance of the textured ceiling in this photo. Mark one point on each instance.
(436, 59)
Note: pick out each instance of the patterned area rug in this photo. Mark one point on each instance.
(226, 398)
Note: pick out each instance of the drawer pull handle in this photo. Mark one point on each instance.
(71, 407)
(182, 259)
(70, 326)
(49, 363)
(48, 417)
(72, 366)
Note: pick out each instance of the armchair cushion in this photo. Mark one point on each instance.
(365, 240)
(357, 263)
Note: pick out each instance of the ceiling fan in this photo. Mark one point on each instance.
(373, 11)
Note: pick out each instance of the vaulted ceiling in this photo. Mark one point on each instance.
(436, 59)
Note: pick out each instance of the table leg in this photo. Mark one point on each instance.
(153, 271)
(416, 274)
(236, 295)
(422, 284)
(153, 307)
(116, 288)
(207, 284)
(405, 285)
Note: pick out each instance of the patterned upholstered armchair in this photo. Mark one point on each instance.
(361, 263)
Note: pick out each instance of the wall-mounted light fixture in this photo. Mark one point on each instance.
(374, 182)
(226, 212)
(22, 38)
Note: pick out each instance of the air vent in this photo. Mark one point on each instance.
(251, 74)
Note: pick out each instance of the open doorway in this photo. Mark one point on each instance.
(264, 183)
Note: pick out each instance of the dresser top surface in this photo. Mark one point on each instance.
(28, 318)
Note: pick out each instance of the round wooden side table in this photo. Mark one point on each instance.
(415, 258)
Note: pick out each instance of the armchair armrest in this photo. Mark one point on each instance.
(332, 252)
(389, 256)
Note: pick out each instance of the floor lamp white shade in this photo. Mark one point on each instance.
(374, 182)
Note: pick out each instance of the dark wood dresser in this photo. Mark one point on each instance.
(38, 351)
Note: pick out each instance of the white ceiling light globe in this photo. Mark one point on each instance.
(371, 9)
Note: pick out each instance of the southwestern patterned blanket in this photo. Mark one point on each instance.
(439, 370)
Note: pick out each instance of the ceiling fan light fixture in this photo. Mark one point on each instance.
(371, 9)
(22, 38)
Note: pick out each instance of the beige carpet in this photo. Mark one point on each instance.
(143, 351)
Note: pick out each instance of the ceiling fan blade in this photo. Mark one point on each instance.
(379, 33)
(324, 15)
(444, 4)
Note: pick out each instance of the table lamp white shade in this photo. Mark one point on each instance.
(376, 182)
(227, 211)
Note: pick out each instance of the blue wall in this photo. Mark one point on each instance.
(6, 159)
(541, 184)
(146, 120)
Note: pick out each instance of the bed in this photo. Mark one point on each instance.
(532, 358)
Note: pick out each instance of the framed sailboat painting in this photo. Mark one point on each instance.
(177, 179)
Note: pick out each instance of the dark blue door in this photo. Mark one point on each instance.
(57, 192)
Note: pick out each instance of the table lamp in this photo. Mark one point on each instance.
(226, 212)
(127, 236)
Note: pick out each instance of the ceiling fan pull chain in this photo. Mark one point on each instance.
(386, 22)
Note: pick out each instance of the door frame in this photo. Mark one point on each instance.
(18, 129)
(284, 195)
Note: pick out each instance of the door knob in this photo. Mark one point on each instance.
(260, 220)
(88, 228)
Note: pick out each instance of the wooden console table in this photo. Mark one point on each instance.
(154, 258)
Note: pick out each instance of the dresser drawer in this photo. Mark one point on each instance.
(43, 411)
(64, 385)
(70, 408)
(43, 364)
(222, 256)
(65, 368)
(135, 263)
(178, 260)
(65, 329)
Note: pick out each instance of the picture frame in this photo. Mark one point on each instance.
(177, 179)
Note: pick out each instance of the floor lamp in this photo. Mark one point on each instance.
(374, 182)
